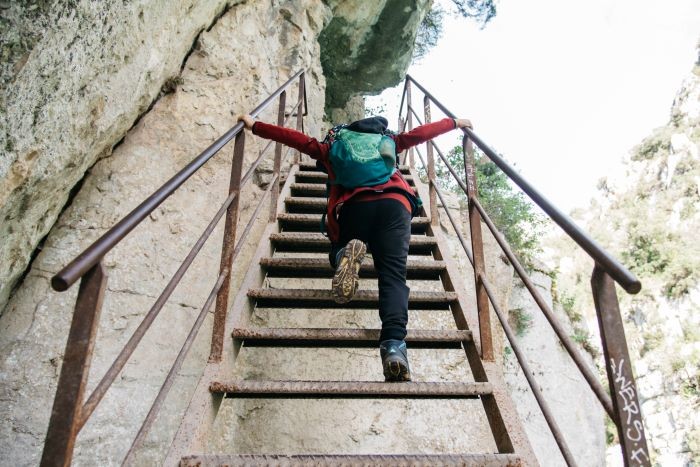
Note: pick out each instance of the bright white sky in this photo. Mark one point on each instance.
(562, 89)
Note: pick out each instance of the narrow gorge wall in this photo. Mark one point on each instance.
(655, 212)
(70, 102)
(102, 104)
(80, 75)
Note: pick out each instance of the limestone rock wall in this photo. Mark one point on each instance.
(358, 41)
(82, 73)
(76, 75)
(577, 412)
(575, 408)
(655, 208)
(99, 69)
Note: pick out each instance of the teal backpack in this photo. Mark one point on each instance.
(360, 158)
(363, 154)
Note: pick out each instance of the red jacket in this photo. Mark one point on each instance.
(320, 152)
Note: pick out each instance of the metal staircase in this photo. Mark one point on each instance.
(289, 249)
(296, 231)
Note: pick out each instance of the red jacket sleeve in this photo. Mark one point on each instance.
(423, 133)
(292, 138)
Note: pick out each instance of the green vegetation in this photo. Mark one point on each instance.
(430, 29)
(650, 219)
(509, 210)
(611, 435)
(521, 320)
(583, 338)
(429, 32)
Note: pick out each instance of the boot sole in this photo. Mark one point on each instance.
(396, 371)
(347, 275)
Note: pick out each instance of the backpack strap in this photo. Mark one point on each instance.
(330, 136)
(325, 211)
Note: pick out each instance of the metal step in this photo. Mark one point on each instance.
(320, 267)
(352, 460)
(312, 222)
(303, 204)
(333, 337)
(308, 189)
(311, 167)
(311, 242)
(320, 177)
(348, 390)
(315, 298)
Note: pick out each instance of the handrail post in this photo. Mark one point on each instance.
(401, 157)
(275, 191)
(65, 414)
(409, 122)
(482, 299)
(217, 338)
(300, 113)
(431, 168)
(630, 427)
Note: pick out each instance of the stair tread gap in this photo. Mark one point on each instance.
(347, 337)
(316, 242)
(320, 267)
(312, 223)
(322, 298)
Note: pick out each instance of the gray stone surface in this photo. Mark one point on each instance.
(68, 121)
(83, 107)
(215, 85)
(576, 409)
(83, 72)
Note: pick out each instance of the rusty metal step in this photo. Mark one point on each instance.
(237, 388)
(315, 298)
(311, 167)
(320, 177)
(334, 337)
(320, 267)
(312, 222)
(352, 460)
(311, 242)
(305, 204)
(308, 189)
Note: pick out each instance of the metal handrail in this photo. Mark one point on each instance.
(549, 419)
(170, 378)
(566, 341)
(95, 252)
(69, 414)
(608, 262)
(623, 406)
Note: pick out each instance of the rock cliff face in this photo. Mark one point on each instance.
(69, 104)
(82, 73)
(110, 102)
(655, 212)
(576, 410)
(76, 75)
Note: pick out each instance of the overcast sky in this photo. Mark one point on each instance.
(563, 89)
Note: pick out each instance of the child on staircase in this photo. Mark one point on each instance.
(378, 217)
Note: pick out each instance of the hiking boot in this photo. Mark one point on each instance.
(347, 273)
(394, 360)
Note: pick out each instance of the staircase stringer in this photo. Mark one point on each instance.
(506, 427)
(195, 426)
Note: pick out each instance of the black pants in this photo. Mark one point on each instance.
(385, 226)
